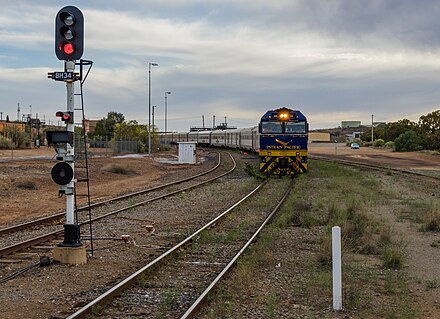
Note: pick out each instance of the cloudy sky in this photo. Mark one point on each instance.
(334, 60)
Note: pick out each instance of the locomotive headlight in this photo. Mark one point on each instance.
(283, 116)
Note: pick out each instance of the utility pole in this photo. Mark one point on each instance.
(372, 136)
(203, 121)
(150, 64)
(213, 122)
(154, 106)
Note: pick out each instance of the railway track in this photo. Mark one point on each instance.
(373, 166)
(60, 215)
(177, 283)
(101, 210)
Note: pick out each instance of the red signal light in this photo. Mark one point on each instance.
(65, 116)
(67, 48)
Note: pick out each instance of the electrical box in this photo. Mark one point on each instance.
(187, 152)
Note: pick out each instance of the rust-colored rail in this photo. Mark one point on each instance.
(60, 215)
(115, 291)
(58, 233)
(195, 307)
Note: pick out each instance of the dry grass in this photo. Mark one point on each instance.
(118, 169)
(26, 184)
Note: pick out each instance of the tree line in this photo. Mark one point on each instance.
(115, 127)
(405, 135)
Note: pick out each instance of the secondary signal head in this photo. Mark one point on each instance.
(66, 117)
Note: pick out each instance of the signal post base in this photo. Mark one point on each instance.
(70, 255)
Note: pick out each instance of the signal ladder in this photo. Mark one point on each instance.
(82, 154)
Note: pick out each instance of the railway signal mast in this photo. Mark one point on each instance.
(69, 47)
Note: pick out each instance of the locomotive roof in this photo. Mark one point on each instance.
(295, 114)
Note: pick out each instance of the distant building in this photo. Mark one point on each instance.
(90, 125)
(350, 124)
(319, 137)
(7, 128)
(353, 136)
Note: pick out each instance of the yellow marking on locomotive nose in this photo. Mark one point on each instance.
(281, 142)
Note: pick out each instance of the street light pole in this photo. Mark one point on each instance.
(166, 108)
(154, 106)
(149, 105)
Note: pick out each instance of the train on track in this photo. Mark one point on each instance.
(280, 139)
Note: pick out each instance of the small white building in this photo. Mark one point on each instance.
(187, 152)
(353, 136)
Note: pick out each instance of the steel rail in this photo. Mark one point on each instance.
(195, 307)
(58, 233)
(60, 215)
(112, 293)
(372, 166)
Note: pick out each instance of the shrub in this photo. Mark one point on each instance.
(432, 223)
(389, 144)
(393, 258)
(26, 184)
(253, 172)
(408, 142)
(118, 169)
(5, 143)
(379, 143)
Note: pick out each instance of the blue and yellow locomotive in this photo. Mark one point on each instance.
(283, 142)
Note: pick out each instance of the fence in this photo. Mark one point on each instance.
(105, 147)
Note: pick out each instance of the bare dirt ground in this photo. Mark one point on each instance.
(407, 160)
(33, 166)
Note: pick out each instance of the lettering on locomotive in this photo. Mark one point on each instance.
(282, 147)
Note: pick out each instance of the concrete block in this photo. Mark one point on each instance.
(70, 255)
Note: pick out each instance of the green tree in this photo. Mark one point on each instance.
(430, 123)
(429, 127)
(394, 129)
(408, 141)
(133, 131)
(378, 133)
(130, 130)
(106, 126)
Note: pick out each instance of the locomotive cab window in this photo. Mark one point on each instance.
(271, 127)
(298, 127)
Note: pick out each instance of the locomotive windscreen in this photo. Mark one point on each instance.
(283, 127)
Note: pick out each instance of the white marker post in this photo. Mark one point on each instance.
(337, 268)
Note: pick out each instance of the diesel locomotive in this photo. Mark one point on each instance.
(283, 142)
(280, 139)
